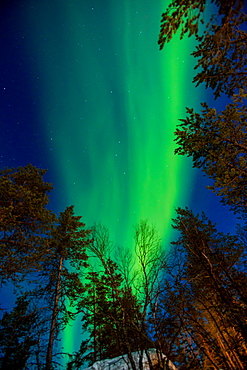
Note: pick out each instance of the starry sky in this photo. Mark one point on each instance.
(86, 93)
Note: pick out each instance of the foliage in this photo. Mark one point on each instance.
(24, 221)
(187, 15)
(49, 253)
(17, 335)
(200, 316)
(221, 48)
(216, 141)
(111, 314)
(191, 306)
(68, 242)
(221, 53)
(202, 312)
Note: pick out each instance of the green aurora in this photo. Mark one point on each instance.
(109, 104)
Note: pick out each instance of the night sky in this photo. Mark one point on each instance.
(86, 93)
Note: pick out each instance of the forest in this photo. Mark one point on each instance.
(188, 301)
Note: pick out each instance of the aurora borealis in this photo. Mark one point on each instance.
(86, 93)
(108, 101)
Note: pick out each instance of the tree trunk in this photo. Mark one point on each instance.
(54, 317)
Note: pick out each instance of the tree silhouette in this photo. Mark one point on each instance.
(24, 221)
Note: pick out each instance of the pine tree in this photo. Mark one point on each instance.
(111, 314)
(111, 317)
(68, 241)
(207, 278)
(38, 249)
(216, 140)
(24, 221)
(18, 335)
(208, 290)
(221, 43)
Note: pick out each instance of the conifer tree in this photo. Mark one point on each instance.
(216, 140)
(18, 335)
(68, 242)
(208, 275)
(205, 296)
(111, 316)
(111, 313)
(221, 43)
(24, 221)
(39, 249)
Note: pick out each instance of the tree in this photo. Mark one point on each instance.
(221, 54)
(110, 318)
(17, 335)
(39, 249)
(185, 16)
(221, 47)
(24, 221)
(205, 296)
(111, 313)
(216, 140)
(68, 241)
(208, 275)
(150, 265)
(150, 261)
